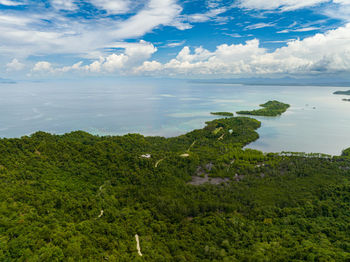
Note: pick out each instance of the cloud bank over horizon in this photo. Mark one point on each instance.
(209, 39)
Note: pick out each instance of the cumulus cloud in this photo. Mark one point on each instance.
(96, 66)
(311, 55)
(76, 66)
(42, 66)
(307, 56)
(226, 59)
(133, 55)
(149, 66)
(100, 39)
(15, 65)
(114, 62)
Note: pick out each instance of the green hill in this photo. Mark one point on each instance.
(79, 197)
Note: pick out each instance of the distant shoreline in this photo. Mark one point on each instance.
(342, 84)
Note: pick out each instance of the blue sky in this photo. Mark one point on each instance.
(194, 39)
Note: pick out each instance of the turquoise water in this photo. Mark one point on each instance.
(317, 121)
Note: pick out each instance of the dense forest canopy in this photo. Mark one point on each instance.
(270, 108)
(79, 197)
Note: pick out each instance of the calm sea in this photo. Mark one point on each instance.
(317, 121)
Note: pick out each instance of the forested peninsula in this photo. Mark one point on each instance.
(270, 108)
(195, 197)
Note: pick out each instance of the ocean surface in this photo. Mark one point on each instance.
(317, 120)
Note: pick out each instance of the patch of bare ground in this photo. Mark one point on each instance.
(198, 180)
(201, 177)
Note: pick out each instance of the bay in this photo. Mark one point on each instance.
(317, 120)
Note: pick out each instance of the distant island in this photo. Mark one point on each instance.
(342, 93)
(222, 113)
(271, 108)
(284, 81)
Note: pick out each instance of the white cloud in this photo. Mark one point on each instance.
(15, 65)
(52, 33)
(303, 29)
(142, 50)
(204, 17)
(95, 67)
(133, 55)
(114, 62)
(259, 25)
(176, 44)
(338, 9)
(235, 35)
(306, 29)
(322, 52)
(32, 34)
(42, 66)
(311, 55)
(64, 4)
(341, 10)
(344, 2)
(10, 3)
(10, 20)
(213, 3)
(113, 6)
(76, 66)
(149, 66)
(200, 54)
(155, 13)
(284, 5)
(326, 53)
